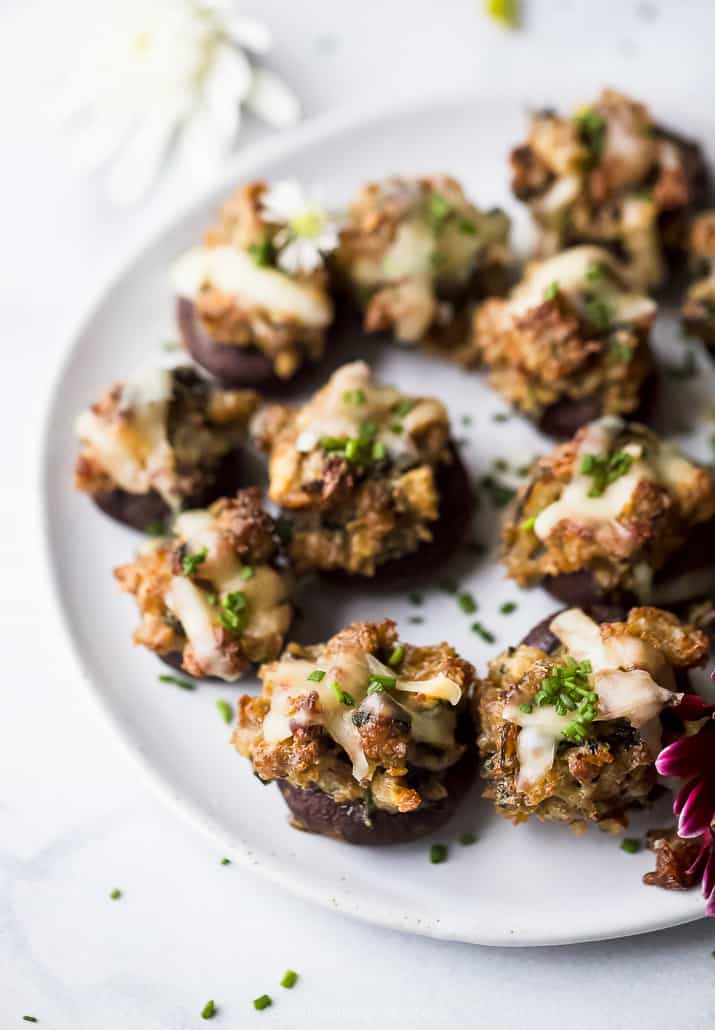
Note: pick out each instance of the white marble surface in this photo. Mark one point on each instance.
(75, 818)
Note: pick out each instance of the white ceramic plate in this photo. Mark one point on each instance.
(534, 884)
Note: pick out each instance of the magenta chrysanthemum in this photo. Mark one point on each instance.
(692, 759)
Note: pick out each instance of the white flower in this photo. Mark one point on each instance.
(308, 231)
(144, 77)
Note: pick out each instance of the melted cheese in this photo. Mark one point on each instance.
(265, 592)
(133, 446)
(632, 679)
(331, 413)
(657, 461)
(569, 269)
(233, 271)
(351, 670)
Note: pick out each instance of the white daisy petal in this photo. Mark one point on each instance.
(283, 201)
(272, 100)
(200, 150)
(225, 88)
(254, 35)
(86, 150)
(139, 164)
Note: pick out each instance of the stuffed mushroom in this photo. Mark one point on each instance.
(367, 736)
(214, 596)
(415, 252)
(572, 720)
(614, 513)
(698, 312)
(365, 474)
(609, 174)
(162, 440)
(570, 343)
(253, 297)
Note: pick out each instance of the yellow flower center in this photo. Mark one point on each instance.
(307, 224)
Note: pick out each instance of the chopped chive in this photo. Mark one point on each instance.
(209, 1010)
(414, 598)
(262, 1003)
(398, 653)
(500, 416)
(439, 208)
(354, 397)
(438, 853)
(466, 420)
(316, 676)
(526, 708)
(482, 632)
(507, 608)
(225, 711)
(248, 572)
(630, 845)
(212, 598)
(403, 407)
(450, 586)
(416, 620)
(290, 979)
(552, 291)
(467, 838)
(225, 861)
(263, 253)
(500, 494)
(376, 684)
(115, 894)
(528, 524)
(504, 11)
(466, 602)
(598, 313)
(191, 562)
(342, 695)
(155, 529)
(467, 227)
(184, 684)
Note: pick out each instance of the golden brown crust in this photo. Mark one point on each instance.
(419, 290)
(403, 773)
(610, 175)
(653, 525)
(597, 780)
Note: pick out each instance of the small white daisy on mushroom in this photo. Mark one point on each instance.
(152, 79)
(308, 231)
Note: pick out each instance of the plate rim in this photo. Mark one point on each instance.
(348, 118)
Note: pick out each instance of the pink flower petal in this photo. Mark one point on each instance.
(682, 796)
(698, 810)
(689, 756)
(693, 707)
(709, 873)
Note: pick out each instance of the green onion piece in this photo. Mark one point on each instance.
(500, 416)
(342, 695)
(500, 494)
(630, 845)
(605, 470)
(354, 397)
(190, 562)
(263, 253)
(378, 450)
(398, 653)
(467, 420)
(316, 676)
(155, 529)
(598, 313)
(592, 129)
(209, 1010)
(507, 608)
(526, 708)
(467, 838)
(233, 612)
(415, 620)
(467, 227)
(225, 711)
(262, 1003)
(466, 602)
(415, 598)
(438, 854)
(184, 684)
(403, 407)
(439, 209)
(290, 979)
(225, 861)
(115, 894)
(482, 632)
(212, 598)
(595, 271)
(552, 291)
(248, 572)
(376, 684)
